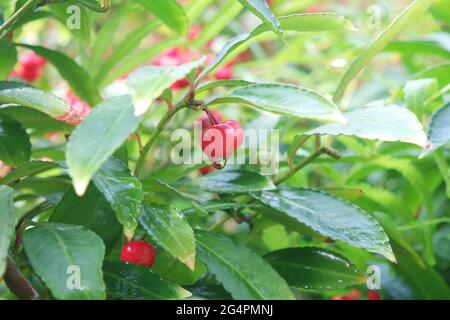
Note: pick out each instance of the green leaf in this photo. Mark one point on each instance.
(330, 216)
(170, 12)
(418, 92)
(97, 137)
(296, 22)
(439, 129)
(7, 223)
(222, 83)
(28, 169)
(378, 122)
(123, 192)
(426, 282)
(284, 99)
(60, 253)
(37, 121)
(15, 146)
(79, 80)
(132, 282)
(241, 271)
(262, 10)
(8, 57)
(413, 12)
(148, 83)
(315, 268)
(234, 182)
(168, 227)
(26, 96)
(90, 4)
(91, 211)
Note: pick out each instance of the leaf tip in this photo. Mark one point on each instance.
(80, 186)
(190, 262)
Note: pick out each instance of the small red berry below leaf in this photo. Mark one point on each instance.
(221, 140)
(138, 252)
(205, 170)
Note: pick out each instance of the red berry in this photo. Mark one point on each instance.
(373, 295)
(138, 252)
(30, 67)
(225, 72)
(205, 170)
(345, 297)
(221, 140)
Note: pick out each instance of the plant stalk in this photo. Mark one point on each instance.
(17, 283)
(30, 5)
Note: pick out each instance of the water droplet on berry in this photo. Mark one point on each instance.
(219, 164)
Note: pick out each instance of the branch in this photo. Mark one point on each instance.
(30, 5)
(324, 150)
(161, 125)
(17, 283)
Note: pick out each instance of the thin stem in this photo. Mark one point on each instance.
(324, 150)
(30, 5)
(17, 283)
(161, 125)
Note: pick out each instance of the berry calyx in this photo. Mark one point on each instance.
(138, 252)
(221, 140)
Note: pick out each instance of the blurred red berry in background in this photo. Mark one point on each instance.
(30, 67)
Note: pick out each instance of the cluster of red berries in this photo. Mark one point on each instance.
(138, 252)
(30, 67)
(219, 139)
(356, 294)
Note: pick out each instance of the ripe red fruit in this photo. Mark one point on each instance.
(78, 110)
(225, 72)
(30, 67)
(205, 170)
(138, 252)
(221, 140)
(373, 295)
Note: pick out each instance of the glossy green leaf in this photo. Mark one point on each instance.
(426, 282)
(93, 5)
(79, 80)
(27, 169)
(97, 137)
(8, 57)
(315, 268)
(243, 273)
(15, 146)
(418, 92)
(168, 227)
(123, 191)
(7, 223)
(92, 211)
(132, 282)
(222, 83)
(63, 254)
(148, 83)
(123, 49)
(296, 22)
(262, 10)
(428, 46)
(37, 121)
(284, 99)
(415, 10)
(330, 216)
(24, 95)
(439, 128)
(378, 122)
(234, 182)
(170, 12)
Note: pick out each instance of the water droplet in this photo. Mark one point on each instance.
(219, 164)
